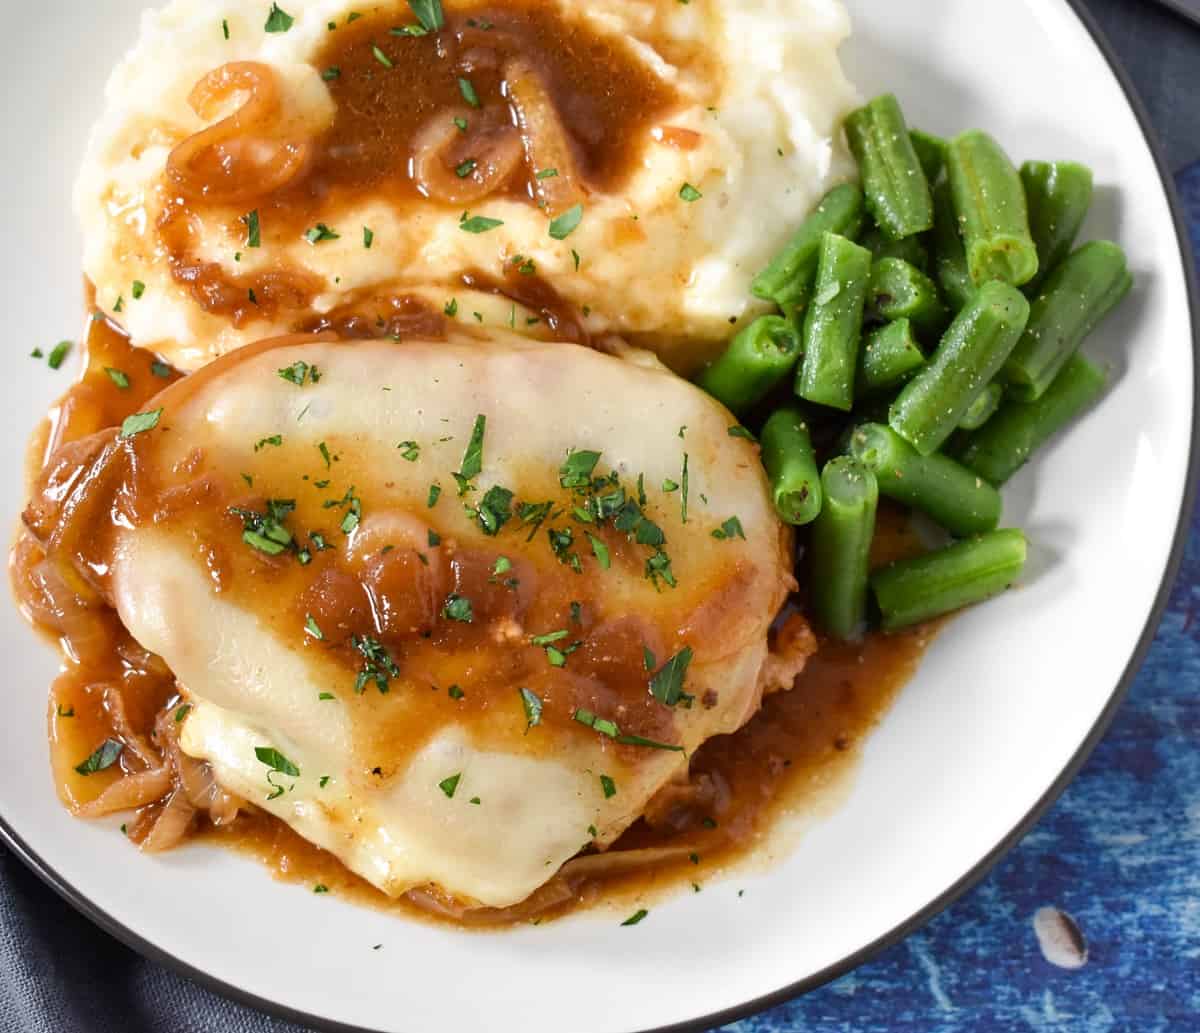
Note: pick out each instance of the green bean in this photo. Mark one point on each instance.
(889, 356)
(918, 589)
(950, 258)
(787, 279)
(931, 153)
(894, 182)
(833, 324)
(1069, 306)
(957, 498)
(989, 202)
(841, 545)
(1004, 444)
(1058, 194)
(973, 349)
(911, 249)
(759, 357)
(787, 454)
(983, 408)
(899, 290)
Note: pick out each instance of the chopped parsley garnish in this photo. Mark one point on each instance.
(320, 887)
(433, 538)
(428, 13)
(494, 510)
(561, 541)
(566, 224)
(160, 369)
(731, 528)
(533, 513)
(478, 224)
(137, 289)
(461, 123)
(225, 27)
(300, 372)
(609, 728)
(648, 660)
(467, 90)
(368, 236)
(533, 708)
(659, 566)
(323, 781)
(266, 532)
(331, 73)
(381, 57)
(274, 439)
(253, 229)
(600, 551)
(119, 304)
(689, 193)
(451, 308)
(502, 566)
(738, 431)
(575, 256)
(458, 608)
(435, 491)
(378, 665)
(475, 800)
(139, 422)
(181, 712)
(576, 470)
(449, 785)
(411, 451)
(278, 20)
(683, 498)
(546, 173)
(311, 627)
(319, 232)
(455, 692)
(666, 685)
(609, 787)
(104, 756)
(325, 696)
(58, 353)
(576, 613)
(117, 377)
(324, 450)
(37, 353)
(472, 461)
(553, 636)
(276, 761)
(636, 917)
(67, 711)
(464, 169)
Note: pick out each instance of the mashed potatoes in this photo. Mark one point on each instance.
(728, 136)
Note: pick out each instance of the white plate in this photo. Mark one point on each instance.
(1002, 712)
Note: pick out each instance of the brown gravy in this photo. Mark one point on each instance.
(800, 741)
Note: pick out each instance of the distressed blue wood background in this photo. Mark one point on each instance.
(1119, 852)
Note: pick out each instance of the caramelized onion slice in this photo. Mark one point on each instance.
(239, 157)
(129, 792)
(544, 138)
(486, 156)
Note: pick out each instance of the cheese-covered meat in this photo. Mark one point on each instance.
(454, 610)
(620, 166)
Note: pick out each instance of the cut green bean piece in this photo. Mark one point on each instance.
(1058, 195)
(931, 153)
(897, 192)
(759, 357)
(787, 280)
(911, 249)
(1069, 306)
(949, 256)
(1018, 429)
(968, 572)
(989, 203)
(889, 356)
(982, 409)
(787, 454)
(833, 324)
(899, 290)
(841, 546)
(973, 349)
(957, 498)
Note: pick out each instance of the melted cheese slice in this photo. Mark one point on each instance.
(413, 787)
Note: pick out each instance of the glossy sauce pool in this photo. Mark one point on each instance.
(786, 761)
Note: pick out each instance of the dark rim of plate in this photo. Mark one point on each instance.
(113, 926)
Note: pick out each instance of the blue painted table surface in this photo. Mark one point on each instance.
(1119, 851)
